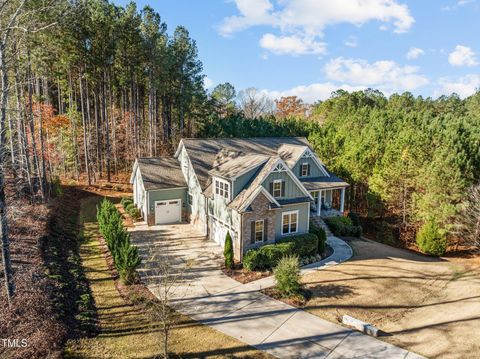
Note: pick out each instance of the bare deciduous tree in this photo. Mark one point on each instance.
(168, 288)
(255, 103)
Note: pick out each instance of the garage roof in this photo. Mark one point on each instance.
(161, 173)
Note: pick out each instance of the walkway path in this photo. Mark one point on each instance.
(240, 310)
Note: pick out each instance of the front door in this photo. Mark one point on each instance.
(168, 211)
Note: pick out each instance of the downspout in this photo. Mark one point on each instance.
(240, 237)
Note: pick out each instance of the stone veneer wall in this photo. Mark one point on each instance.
(260, 210)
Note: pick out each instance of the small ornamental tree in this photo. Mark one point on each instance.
(287, 276)
(228, 251)
(431, 240)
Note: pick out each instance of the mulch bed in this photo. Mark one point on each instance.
(298, 301)
(242, 275)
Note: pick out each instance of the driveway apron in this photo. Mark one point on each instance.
(207, 295)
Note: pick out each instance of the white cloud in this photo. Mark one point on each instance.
(351, 42)
(307, 19)
(292, 45)
(208, 82)
(462, 56)
(414, 53)
(387, 76)
(314, 92)
(464, 86)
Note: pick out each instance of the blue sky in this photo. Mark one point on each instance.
(309, 48)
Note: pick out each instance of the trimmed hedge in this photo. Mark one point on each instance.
(321, 235)
(343, 226)
(125, 256)
(266, 257)
(228, 251)
(305, 244)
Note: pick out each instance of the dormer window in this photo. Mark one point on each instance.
(304, 169)
(277, 188)
(222, 188)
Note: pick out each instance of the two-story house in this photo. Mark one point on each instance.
(258, 189)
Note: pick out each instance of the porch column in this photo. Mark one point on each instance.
(319, 203)
(342, 200)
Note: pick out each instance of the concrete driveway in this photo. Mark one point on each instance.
(205, 294)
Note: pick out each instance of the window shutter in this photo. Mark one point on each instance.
(252, 237)
(308, 169)
(265, 230)
(283, 188)
(271, 188)
(300, 170)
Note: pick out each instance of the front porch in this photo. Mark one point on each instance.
(328, 202)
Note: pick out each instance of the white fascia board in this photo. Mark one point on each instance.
(134, 171)
(254, 195)
(179, 148)
(295, 179)
(317, 160)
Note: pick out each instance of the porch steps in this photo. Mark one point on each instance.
(319, 222)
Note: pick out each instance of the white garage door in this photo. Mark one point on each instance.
(168, 211)
(219, 232)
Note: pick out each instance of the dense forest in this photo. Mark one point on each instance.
(88, 86)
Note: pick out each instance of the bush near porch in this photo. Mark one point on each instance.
(268, 256)
(343, 226)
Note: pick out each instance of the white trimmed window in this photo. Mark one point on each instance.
(290, 222)
(222, 188)
(304, 169)
(259, 231)
(277, 188)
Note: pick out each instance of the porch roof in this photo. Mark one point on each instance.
(323, 182)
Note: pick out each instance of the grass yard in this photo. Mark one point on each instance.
(126, 331)
(430, 306)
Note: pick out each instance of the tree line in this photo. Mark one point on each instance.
(88, 86)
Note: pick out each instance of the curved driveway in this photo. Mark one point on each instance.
(207, 295)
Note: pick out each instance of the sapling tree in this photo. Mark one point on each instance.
(228, 251)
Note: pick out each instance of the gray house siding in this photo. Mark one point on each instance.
(197, 207)
(303, 218)
(291, 188)
(241, 181)
(314, 169)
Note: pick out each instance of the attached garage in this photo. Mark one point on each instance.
(219, 230)
(168, 211)
(160, 190)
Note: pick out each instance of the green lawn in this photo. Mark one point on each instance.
(126, 331)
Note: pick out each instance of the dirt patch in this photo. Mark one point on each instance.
(427, 305)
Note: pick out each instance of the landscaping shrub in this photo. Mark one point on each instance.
(431, 240)
(321, 235)
(267, 257)
(305, 244)
(255, 260)
(134, 213)
(354, 218)
(129, 207)
(287, 276)
(228, 251)
(274, 252)
(343, 226)
(125, 256)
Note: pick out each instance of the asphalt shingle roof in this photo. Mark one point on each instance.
(317, 183)
(161, 173)
(203, 152)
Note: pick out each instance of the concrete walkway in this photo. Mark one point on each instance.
(207, 295)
